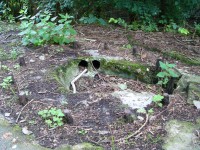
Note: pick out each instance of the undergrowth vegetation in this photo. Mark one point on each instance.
(170, 16)
(47, 30)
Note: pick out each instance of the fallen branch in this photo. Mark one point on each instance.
(22, 110)
(72, 83)
(136, 132)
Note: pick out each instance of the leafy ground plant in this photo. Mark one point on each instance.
(53, 117)
(47, 30)
(166, 73)
(6, 84)
(158, 99)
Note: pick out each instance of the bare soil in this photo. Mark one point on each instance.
(101, 116)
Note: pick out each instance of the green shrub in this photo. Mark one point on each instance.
(92, 19)
(197, 28)
(47, 30)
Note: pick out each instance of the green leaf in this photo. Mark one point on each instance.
(161, 74)
(160, 82)
(151, 111)
(160, 104)
(170, 65)
(163, 65)
(158, 98)
(54, 18)
(141, 110)
(172, 73)
(122, 86)
(165, 81)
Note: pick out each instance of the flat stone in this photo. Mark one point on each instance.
(31, 60)
(134, 99)
(42, 57)
(7, 114)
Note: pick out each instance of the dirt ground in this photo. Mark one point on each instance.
(101, 120)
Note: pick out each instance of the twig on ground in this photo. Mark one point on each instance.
(72, 83)
(22, 110)
(136, 132)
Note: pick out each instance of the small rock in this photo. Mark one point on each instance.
(14, 140)
(26, 131)
(43, 70)
(31, 60)
(103, 132)
(140, 118)
(128, 117)
(7, 114)
(42, 57)
(68, 118)
(14, 146)
(38, 77)
(22, 61)
(197, 104)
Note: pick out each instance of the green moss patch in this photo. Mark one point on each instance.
(183, 58)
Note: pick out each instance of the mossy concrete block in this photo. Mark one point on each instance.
(185, 80)
(191, 85)
(193, 92)
(180, 136)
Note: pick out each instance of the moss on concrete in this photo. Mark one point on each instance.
(66, 73)
(183, 58)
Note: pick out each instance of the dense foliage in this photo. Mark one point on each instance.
(147, 15)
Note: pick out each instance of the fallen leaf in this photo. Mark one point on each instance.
(7, 135)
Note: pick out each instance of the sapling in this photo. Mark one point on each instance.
(166, 73)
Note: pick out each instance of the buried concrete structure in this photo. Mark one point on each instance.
(190, 84)
(66, 73)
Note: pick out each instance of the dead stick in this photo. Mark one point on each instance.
(136, 132)
(22, 110)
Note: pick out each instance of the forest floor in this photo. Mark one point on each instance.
(90, 122)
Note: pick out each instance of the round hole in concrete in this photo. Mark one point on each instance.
(96, 64)
(83, 63)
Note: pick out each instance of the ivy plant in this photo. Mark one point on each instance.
(92, 19)
(47, 30)
(166, 73)
(53, 117)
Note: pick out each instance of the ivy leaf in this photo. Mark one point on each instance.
(141, 110)
(161, 74)
(122, 86)
(151, 111)
(163, 65)
(158, 98)
(165, 81)
(172, 73)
